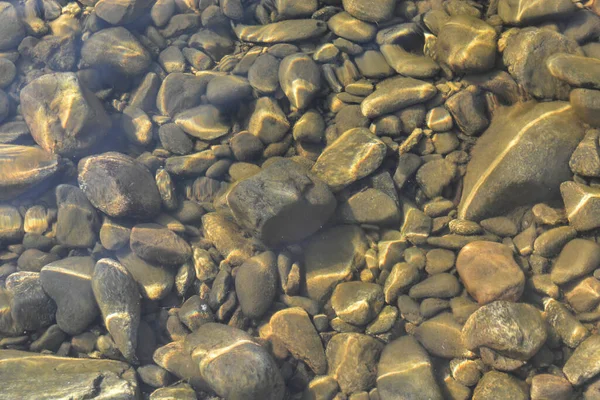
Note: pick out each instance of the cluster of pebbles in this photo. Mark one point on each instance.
(299, 199)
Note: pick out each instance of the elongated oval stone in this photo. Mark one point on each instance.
(509, 165)
(292, 30)
(522, 12)
(204, 122)
(396, 93)
(24, 168)
(119, 300)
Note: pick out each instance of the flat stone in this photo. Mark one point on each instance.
(283, 203)
(585, 160)
(154, 282)
(348, 27)
(263, 75)
(442, 285)
(195, 312)
(177, 360)
(567, 326)
(545, 386)
(204, 122)
(76, 307)
(114, 234)
(229, 90)
(310, 127)
(366, 11)
(268, 122)
(119, 186)
(117, 50)
(179, 92)
(256, 284)
(227, 237)
(63, 116)
(522, 12)
(190, 165)
(15, 132)
(172, 59)
(489, 272)
(290, 9)
(396, 93)
(400, 279)
(77, 223)
(466, 45)
(181, 391)
(584, 363)
(514, 330)
(586, 103)
(370, 206)
(576, 70)
(434, 176)
(62, 377)
(578, 258)
(581, 204)
(30, 307)
(549, 243)
(352, 360)
(441, 336)
(33, 260)
(499, 385)
(175, 140)
(117, 296)
(352, 156)
(372, 64)
(408, 64)
(405, 371)
(11, 224)
(295, 330)
(300, 79)
(13, 30)
(213, 44)
(526, 54)
(159, 245)
(233, 364)
(468, 110)
(120, 12)
(503, 160)
(357, 303)
(331, 257)
(292, 30)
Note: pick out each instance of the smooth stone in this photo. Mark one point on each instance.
(77, 223)
(405, 371)
(15, 132)
(159, 245)
(585, 160)
(30, 307)
(181, 391)
(33, 260)
(352, 360)
(330, 257)
(11, 224)
(121, 12)
(370, 206)
(8, 72)
(396, 93)
(372, 64)
(514, 330)
(294, 329)
(12, 30)
(62, 377)
(576, 70)
(290, 9)
(409, 64)
(433, 176)
(144, 95)
(246, 147)
(466, 45)
(177, 360)
(114, 234)
(172, 60)
(263, 75)
(350, 117)
(549, 243)
(400, 279)
(586, 104)
(368, 11)
(567, 326)
(179, 92)
(233, 364)
(268, 122)
(489, 272)
(300, 79)
(468, 111)
(256, 284)
(227, 237)
(346, 26)
(117, 50)
(283, 203)
(584, 363)
(175, 140)
(581, 26)
(498, 385)
(205, 122)
(441, 336)
(581, 205)
(352, 156)
(293, 30)
(195, 312)
(62, 115)
(548, 386)
(440, 285)
(503, 161)
(357, 303)
(154, 282)
(212, 43)
(310, 127)
(119, 186)
(578, 258)
(525, 56)
(118, 298)
(191, 165)
(321, 387)
(523, 12)
(229, 90)
(76, 307)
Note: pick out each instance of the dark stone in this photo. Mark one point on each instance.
(256, 284)
(77, 223)
(159, 245)
(30, 306)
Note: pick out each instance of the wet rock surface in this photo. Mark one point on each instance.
(322, 199)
